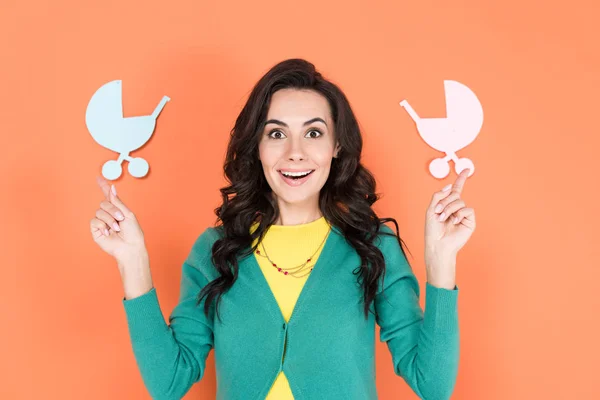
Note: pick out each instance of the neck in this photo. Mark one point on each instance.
(298, 214)
(289, 220)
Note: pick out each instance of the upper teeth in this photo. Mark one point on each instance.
(296, 173)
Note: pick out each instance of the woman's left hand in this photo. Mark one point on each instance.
(449, 223)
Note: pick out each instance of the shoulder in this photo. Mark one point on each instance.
(388, 243)
(200, 255)
(386, 237)
(386, 240)
(397, 267)
(384, 228)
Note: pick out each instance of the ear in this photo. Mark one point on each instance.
(337, 150)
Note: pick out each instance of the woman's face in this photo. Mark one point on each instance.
(298, 136)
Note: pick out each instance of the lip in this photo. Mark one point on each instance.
(294, 170)
(295, 182)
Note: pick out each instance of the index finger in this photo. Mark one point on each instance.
(104, 186)
(460, 181)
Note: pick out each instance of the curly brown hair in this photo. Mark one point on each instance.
(345, 200)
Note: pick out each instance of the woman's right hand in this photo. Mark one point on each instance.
(115, 228)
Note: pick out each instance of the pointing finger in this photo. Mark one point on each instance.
(104, 186)
(460, 181)
(114, 199)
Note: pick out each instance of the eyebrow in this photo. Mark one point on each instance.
(310, 121)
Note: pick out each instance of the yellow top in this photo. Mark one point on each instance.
(289, 246)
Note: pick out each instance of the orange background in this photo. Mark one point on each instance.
(528, 277)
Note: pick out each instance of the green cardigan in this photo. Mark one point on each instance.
(330, 352)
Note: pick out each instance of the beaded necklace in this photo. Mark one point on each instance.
(295, 270)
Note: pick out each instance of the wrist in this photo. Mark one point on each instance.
(441, 272)
(448, 283)
(136, 275)
(137, 258)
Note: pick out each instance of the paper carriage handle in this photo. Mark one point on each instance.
(160, 106)
(413, 114)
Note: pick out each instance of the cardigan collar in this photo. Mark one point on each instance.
(313, 282)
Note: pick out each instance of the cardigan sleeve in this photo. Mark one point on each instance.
(171, 358)
(424, 346)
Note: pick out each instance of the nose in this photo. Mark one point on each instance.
(295, 149)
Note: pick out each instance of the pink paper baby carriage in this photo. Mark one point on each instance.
(464, 118)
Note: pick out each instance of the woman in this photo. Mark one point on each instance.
(288, 288)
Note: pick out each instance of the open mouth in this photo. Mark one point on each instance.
(296, 177)
(296, 180)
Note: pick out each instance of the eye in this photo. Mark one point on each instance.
(272, 132)
(315, 130)
(309, 132)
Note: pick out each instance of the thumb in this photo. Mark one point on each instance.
(114, 199)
